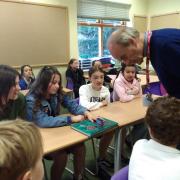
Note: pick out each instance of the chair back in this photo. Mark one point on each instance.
(122, 174)
(153, 89)
(69, 84)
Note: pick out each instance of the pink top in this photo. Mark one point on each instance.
(125, 91)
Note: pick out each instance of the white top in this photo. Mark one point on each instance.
(151, 160)
(90, 98)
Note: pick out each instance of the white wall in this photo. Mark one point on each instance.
(156, 7)
(138, 7)
(72, 13)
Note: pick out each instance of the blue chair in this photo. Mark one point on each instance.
(122, 174)
(69, 84)
(154, 88)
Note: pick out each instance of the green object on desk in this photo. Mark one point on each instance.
(90, 128)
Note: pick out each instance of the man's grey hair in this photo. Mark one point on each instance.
(122, 35)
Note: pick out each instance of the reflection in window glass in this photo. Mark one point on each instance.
(88, 41)
(106, 33)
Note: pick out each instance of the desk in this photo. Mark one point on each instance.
(60, 138)
(153, 78)
(125, 114)
(142, 77)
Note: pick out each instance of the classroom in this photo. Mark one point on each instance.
(97, 78)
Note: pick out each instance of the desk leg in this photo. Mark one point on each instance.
(117, 152)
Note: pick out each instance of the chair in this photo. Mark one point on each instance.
(122, 174)
(69, 84)
(45, 171)
(154, 88)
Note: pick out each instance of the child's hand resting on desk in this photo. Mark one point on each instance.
(104, 103)
(89, 116)
(77, 118)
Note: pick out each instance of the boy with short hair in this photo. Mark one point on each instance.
(21, 151)
(158, 158)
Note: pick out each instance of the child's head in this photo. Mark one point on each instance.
(9, 85)
(96, 76)
(163, 119)
(48, 82)
(21, 151)
(26, 72)
(73, 64)
(97, 64)
(129, 72)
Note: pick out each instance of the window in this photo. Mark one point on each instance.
(96, 21)
(106, 33)
(88, 41)
(92, 39)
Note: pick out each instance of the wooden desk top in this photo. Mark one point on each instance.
(153, 78)
(123, 113)
(60, 138)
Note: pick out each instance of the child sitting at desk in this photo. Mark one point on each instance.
(94, 96)
(75, 75)
(21, 151)
(43, 107)
(27, 77)
(126, 85)
(12, 103)
(158, 158)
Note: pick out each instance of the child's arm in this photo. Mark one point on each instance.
(73, 106)
(41, 118)
(122, 94)
(107, 100)
(108, 96)
(137, 89)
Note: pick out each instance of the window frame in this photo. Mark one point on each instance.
(100, 24)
